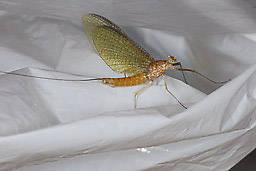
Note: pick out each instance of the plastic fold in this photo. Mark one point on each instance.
(57, 125)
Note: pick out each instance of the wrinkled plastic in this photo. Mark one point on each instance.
(56, 125)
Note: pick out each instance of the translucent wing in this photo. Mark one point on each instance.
(119, 52)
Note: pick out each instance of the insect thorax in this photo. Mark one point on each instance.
(157, 69)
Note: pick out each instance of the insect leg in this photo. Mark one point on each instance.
(136, 94)
(183, 74)
(157, 81)
(165, 83)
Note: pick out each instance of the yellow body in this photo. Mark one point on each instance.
(155, 70)
(126, 81)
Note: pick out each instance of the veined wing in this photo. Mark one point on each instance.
(119, 52)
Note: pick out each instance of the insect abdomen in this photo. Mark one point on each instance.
(125, 81)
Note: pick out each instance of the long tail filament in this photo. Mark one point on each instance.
(48, 78)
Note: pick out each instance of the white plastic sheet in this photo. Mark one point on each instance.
(54, 125)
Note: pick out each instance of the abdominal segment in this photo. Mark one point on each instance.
(126, 81)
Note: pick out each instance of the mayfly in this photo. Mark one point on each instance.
(123, 55)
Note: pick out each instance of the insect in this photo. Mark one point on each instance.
(123, 55)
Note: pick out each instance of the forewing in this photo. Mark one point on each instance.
(119, 52)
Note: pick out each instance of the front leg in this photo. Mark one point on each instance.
(165, 84)
(183, 74)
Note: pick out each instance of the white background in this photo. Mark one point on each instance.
(53, 125)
